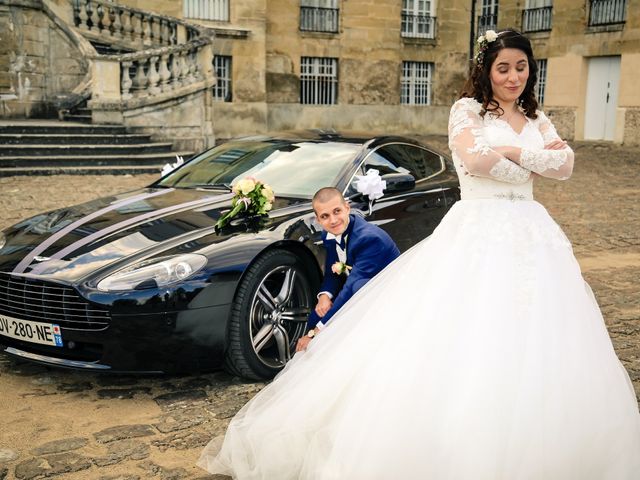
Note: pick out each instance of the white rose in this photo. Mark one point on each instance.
(267, 206)
(490, 35)
(481, 39)
(268, 193)
(245, 186)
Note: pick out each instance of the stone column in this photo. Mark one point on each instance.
(105, 96)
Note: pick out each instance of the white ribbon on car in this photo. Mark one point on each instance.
(170, 167)
(371, 185)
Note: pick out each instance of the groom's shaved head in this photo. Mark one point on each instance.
(332, 210)
(327, 194)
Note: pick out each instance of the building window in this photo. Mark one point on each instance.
(222, 89)
(488, 19)
(418, 20)
(207, 9)
(416, 83)
(607, 12)
(319, 16)
(318, 81)
(536, 17)
(542, 80)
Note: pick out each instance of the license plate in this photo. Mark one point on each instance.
(35, 332)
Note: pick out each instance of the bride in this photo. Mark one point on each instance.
(496, 364)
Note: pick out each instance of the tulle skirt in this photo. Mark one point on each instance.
(479, 354)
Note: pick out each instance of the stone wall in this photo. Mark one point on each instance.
(631, 134)
(266, 46)
(187, 121)
(374, 119)
(41, 62)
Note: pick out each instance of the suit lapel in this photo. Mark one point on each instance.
(349, 234)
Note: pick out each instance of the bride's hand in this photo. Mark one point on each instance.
(556, 145)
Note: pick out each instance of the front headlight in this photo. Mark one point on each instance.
(3, 240)
(154, 273)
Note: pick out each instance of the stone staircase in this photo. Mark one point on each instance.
(41, 147)
(137, 77)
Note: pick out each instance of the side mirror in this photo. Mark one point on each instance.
(398, 182)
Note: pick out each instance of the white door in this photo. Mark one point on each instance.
(602, 98)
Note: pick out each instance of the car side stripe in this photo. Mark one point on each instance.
(26, 261)
(131, 221)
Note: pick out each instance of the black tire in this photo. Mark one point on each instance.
(268, 315)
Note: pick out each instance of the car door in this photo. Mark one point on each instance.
(411, 215)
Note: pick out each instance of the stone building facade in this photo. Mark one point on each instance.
(398, 65)
(590, 52)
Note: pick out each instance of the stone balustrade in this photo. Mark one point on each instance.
(148, 73)
(133, 80)
(128, 27)
(171, 58)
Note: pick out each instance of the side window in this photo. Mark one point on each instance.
(400, 158)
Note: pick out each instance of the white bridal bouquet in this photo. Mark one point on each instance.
(251, 197)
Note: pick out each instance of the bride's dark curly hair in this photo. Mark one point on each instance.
(478, 85)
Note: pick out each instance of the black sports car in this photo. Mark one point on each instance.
(144, 282)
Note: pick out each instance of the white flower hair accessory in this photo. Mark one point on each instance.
(483, 44)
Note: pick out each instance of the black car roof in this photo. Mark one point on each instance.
(351, 137)
(319, 135)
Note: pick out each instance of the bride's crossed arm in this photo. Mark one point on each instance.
(507, 164)
(554, 161)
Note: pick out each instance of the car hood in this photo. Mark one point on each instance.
(73, 243)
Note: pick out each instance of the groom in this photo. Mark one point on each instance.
(356, 252)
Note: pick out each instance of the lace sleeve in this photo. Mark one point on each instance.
(467, 142)
(548, 163)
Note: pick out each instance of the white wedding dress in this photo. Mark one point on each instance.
(480, 354)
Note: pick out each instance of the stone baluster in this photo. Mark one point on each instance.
(107, 20)
(92, 11)
(166, 34)
(153, 76)
(136, 20)
(126, 25)
(82, 14)
(176, 68)
(184, 73)
(99, 15)
(193, 65)
(196, 60)
(146, 29)
(125, 85)
(152, 29)
(76, 12)
(116, 24)
(165, 73)
(173, 36)
(140, 80)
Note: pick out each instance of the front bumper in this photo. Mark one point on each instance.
(174, 342)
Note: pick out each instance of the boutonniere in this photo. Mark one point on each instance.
(251, 197)
(340, 267)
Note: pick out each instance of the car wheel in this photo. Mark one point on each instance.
(269, 315)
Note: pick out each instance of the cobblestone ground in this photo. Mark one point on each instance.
(73, 425)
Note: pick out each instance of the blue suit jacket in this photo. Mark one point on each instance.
(369, 250)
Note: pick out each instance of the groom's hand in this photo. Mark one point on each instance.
(303, 343)
(324, 305)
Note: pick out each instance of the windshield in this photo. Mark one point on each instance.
(291, 169)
